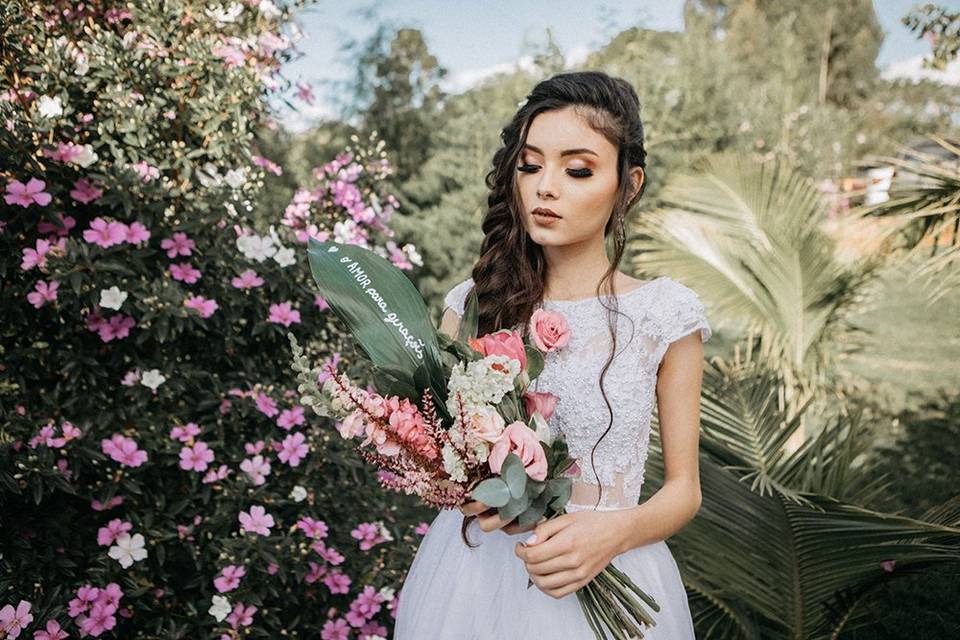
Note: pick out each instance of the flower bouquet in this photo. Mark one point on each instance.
(450, 418)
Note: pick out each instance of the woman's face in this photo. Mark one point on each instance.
(569, 168)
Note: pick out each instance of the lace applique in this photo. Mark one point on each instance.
(652, 316)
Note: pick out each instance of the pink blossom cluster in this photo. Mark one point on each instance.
(369, 534)
(118, 326)
(94, 608)
(365, 606)
(124, 450)
(104, 233)
(36, 256)
(229, 578)
(47, 436)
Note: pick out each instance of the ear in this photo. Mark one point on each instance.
(637, 177)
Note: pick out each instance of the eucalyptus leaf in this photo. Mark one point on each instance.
(492, 491)
(515, 507)
(514, 474)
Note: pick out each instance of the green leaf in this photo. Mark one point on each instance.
(533, 513)
(515, 507)
(492, 491)
(514, 474)
(534, 361)
(471, 316)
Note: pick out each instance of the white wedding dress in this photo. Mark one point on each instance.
(453, 592)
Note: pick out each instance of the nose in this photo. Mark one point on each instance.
(546, 185)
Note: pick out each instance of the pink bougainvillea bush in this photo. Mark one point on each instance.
(157, 478)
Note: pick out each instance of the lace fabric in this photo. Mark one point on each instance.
(651, 317)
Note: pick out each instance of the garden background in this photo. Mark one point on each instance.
(160, 178)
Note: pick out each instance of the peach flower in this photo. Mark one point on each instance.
(504, 342)
(486, 423)
(549, 329)
(520, 439)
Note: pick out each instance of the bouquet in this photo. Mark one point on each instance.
(451, 417)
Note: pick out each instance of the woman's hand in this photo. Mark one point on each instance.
(571, 549)
(490, 520)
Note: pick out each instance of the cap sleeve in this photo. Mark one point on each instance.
(456, 298)
(683, 313)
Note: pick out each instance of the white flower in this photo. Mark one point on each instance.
(268, 9)
(152, 379)
(387, 592)
(298, 494)
(384, 532)
(83, 65)
(543, 431)
(50, 107)
(112, 298)
(128, 549)
(285, 257)
(412, 255)
(220, 608)
(87, 158)
(255, 247)
(481, 383)
(209, 176)
(229, 14)
(453, 465)
(236, 177)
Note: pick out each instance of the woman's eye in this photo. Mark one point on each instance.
(576, 173)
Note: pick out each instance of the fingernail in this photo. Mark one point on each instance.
(531, 540)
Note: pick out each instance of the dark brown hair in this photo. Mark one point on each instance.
(510, 273)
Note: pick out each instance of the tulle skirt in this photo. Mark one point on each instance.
(452, 592)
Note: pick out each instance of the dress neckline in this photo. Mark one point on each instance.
(619, 296)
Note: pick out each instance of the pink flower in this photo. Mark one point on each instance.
(232, 57)
(337, 582)
(269, 165)
(53, 632)
(290, 418)
(293, 449)
(213, 475)
(257, 521)
(284, 314)
(504, 342)
(117, 327)
(319, 301)
(204, 306)
(185, 272)
(14, 620)
(101, 619)
(124, 450)
(241, 615)
(247, 280)
(185, 433)
(108, 534)
(96, 505)
(61, 227)
(316, 572)
(26, 194)
(520, 439)
(335, 630)
(316, 529)
(35, 257)
(369, 535)
(44, 293)
(147, 172)
(422, 528)
(179, 244)
(65, 152)
(549, 329)
(257, 469)
(542, 402)
(266, 404)
(137, 233)
(229, 578)
(105, 234)
(85, 192)
(196, 458)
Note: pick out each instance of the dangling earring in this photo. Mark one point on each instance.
(621, 232)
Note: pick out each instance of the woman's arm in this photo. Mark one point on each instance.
(678, 402)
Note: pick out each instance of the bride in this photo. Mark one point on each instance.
(570, 168)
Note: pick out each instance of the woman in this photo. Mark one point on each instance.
(571, 166)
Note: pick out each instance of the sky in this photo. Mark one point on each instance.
(474, 40)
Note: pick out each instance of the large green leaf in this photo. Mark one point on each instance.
(384, 313)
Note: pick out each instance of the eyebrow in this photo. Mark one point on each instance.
(568, 152)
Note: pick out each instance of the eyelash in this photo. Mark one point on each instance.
(575, 173)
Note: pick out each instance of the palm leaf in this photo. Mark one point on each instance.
(386, 316)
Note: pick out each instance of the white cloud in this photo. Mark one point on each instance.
(912, 69)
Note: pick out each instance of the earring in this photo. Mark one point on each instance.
(621, 232)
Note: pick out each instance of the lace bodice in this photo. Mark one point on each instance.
(651, 317)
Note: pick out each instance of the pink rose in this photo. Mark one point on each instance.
(504, 342)
(520, 439)
(542, 402)
(549, 329)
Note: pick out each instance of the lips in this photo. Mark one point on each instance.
(543, 211)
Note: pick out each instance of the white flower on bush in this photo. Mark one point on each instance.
(87, 157)
(412, 254)
(152, 379)
(50, 107)
(236, 177)
(384, 532)
(285, 256)
(255, 247)
(128, 549)
(229, 14)
(268, 9)
(387, 593)
(220, 608)
(112, 298)
(298, 494)
(209, 176)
